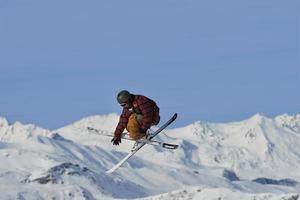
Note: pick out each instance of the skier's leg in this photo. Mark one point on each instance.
(139, 118)
(133, 127)
(155, 121)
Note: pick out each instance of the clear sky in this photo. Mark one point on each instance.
(208, 60)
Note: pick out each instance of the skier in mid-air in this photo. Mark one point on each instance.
(138, 115)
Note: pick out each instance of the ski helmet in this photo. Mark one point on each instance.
(123, 97)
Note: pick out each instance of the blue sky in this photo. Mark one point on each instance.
(217, 61)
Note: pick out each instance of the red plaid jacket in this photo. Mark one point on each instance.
(140, 105)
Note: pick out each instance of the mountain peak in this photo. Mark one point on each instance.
(256, 119)
(289, 121)
(258, 116)
(3, 122)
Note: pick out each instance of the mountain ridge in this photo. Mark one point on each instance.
(253, 157)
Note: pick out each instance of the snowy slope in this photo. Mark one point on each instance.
(255, 158)
(203, 193)
(257, 146)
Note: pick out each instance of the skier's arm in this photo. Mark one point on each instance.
(122, 123)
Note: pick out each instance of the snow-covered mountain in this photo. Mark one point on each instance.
(257, 158)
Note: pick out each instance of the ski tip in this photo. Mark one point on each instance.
(109, 171)
(175, 116)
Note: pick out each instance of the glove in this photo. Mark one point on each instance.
(116, 140)
(142, 130)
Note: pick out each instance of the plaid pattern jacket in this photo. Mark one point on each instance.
(140, 105)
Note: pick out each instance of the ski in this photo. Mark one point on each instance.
(106, 133)
(139, 144)
(126, 137)
(160, 144)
